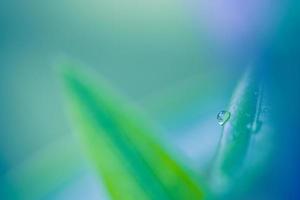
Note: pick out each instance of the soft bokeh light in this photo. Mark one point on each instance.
(178, 62)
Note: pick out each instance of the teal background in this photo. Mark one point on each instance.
(179, 61)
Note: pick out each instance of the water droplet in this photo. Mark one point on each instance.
(249, 126)
(257, 126)
(265, 110)
(254, 127)
(223, 116)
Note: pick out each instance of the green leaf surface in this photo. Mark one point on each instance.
(130, 159)
(245, 140)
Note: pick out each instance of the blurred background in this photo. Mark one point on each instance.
(177, 60)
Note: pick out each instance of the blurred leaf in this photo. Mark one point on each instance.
(131, 161)
(245, 140)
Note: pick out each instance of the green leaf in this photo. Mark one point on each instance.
(246, 138)
(131, 161)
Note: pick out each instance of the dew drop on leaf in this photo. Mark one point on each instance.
(223, 116)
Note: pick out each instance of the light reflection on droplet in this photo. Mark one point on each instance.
(223, 116)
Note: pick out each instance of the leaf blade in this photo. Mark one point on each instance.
(244, 136)
(114, 132)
